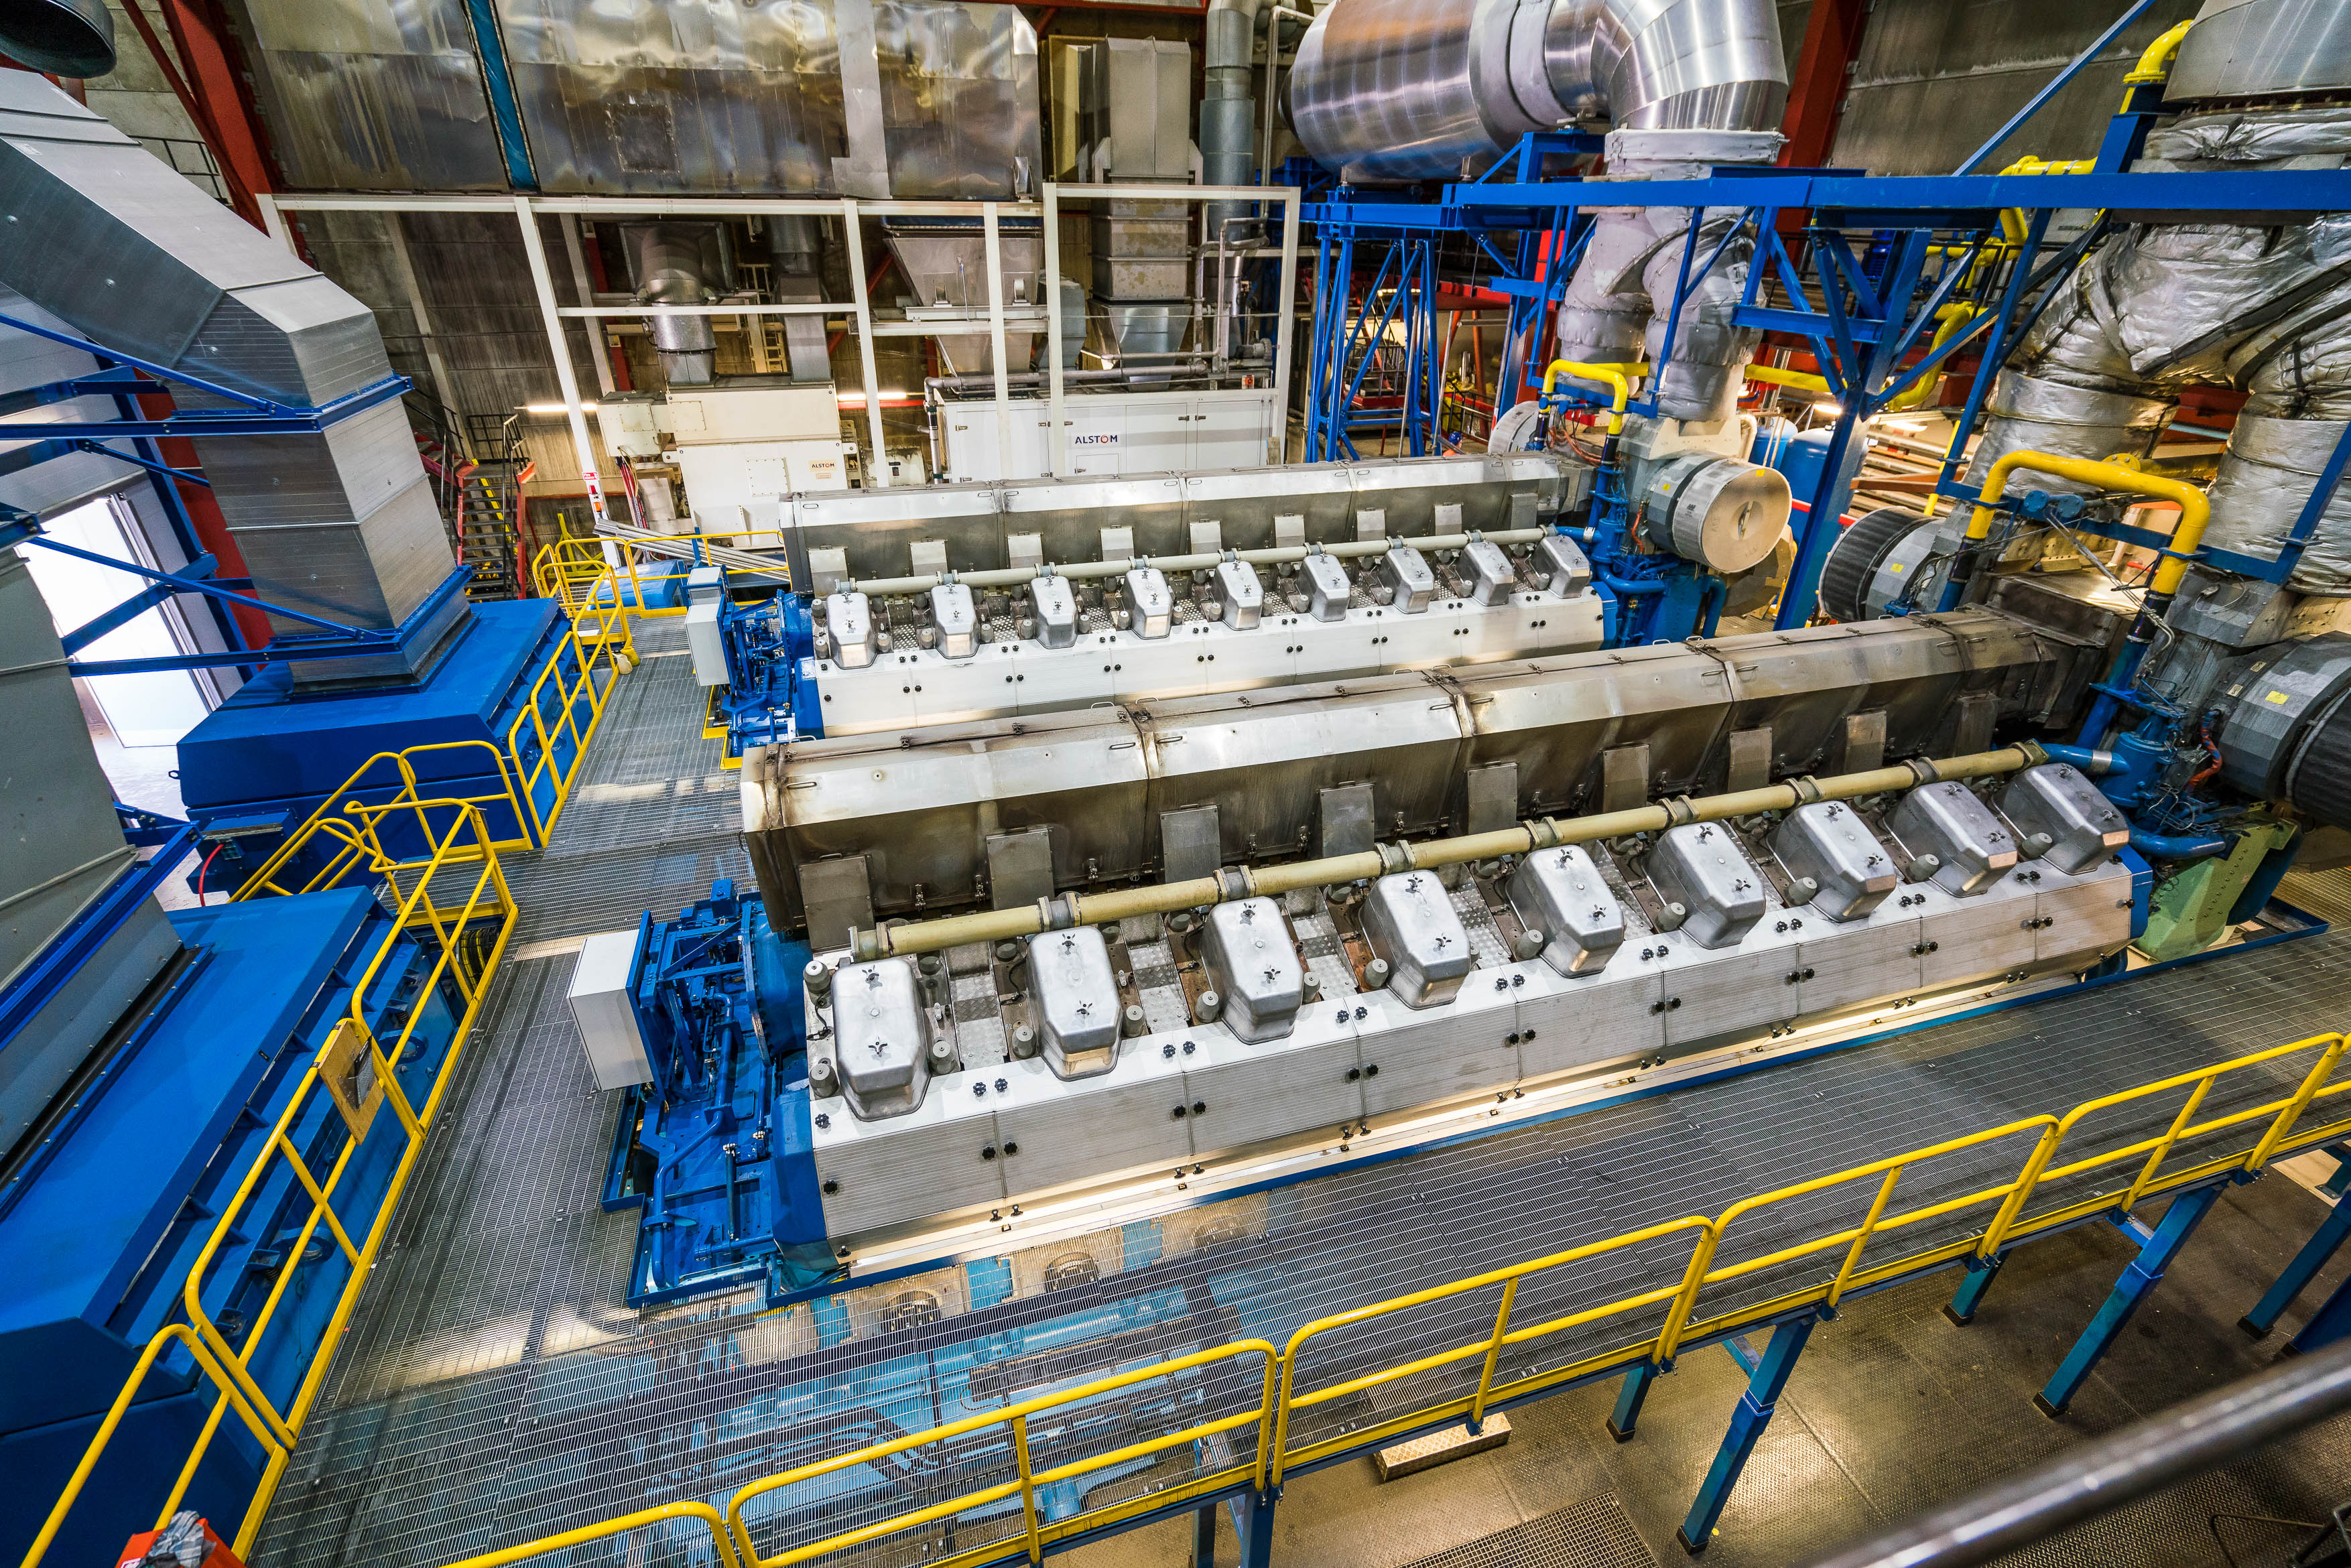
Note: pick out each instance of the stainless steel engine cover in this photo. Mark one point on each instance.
(1491, 577)
(1150, 607)
(1565, 568)
(1074, 994)
(882, 1037)
(1247, 951)
(955, 620)
(2060, 800)
(1701, 867)
(849, 622)
(1241, 594)
(1828, 841)
(1057, 611)
(1327, 588)
(1409, 920)
(1947, 821)
(1405, 573)
(1560, 893)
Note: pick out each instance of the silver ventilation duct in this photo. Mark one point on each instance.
(106, 238)
(1411, 90)
(1227, 107)
(682, 264)
(2260, 48)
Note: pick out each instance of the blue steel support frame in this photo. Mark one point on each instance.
(2315, 1254)
(1767, 1380)
(1630, 1396)
(2158, 1247)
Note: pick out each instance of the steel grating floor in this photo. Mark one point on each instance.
(495, 1388)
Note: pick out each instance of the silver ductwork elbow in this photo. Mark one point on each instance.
(1412, 89)
(680, 264)
(340, 523)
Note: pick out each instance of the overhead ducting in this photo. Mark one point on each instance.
(341, 523)
(684, 263)
(2164, 307)
(1414, 89)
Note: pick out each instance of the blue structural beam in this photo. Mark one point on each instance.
(1630, 1396)
(2315, 1254)
(1767, 1380)
(2159, 1248)
(1957, 200)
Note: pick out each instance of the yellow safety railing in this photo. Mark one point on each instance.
(359, 842)
(571, 682)
(1039, 1533)
(2273, 1125)
(611, 577)
(454, 900)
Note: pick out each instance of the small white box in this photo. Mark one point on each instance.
(607, 1019)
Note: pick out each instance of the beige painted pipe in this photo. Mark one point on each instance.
(1166, 898)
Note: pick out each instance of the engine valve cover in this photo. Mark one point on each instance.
(1565, 568)
(1828, 843)
(1409, 920)
(1242, 595)
(956, 620)
(2057, 799)
(849, 621)
(1150, 607)
(882, 1037)
(1327, 588)
(1075, 1001)
(1247, 951)
(1701, 866)
(1057, 611)
(1560, 893)
(1405, 573)
(1491, 577)
(1947, 821)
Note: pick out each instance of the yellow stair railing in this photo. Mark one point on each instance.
(452, 898)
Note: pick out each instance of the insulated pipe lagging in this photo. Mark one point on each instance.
(1073, 909)
(1227, 109)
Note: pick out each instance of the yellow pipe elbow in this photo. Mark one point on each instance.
(2155, 65)
(2195, 511)
(1616, 377)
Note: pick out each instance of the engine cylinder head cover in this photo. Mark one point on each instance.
(1945, 822)
(1404, 571)
(882, 1038)
(2083, 826)
(1243, 595)
(1560, 897)
(1492, 579)
(1701, 866)
(1057, 611)
(856, 638)
(1724, 513)
(1827, 843)
(1246, 949)
(1149, 603)
(1075, 993)
(1566, 569)
(1410, 922)
(1327, 587)
(955, 620)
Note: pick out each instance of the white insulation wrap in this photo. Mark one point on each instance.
(2260, 492)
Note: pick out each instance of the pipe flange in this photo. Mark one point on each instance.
(1679, 811)
(1395, 858)
(1233, 883)
(1058, 914)
(1805, 788)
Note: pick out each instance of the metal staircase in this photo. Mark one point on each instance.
(474, 484)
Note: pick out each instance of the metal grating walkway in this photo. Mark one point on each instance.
(494, 1388)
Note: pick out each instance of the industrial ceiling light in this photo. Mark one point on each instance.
(555, 408)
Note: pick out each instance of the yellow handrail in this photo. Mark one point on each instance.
(1617, 379)
(590, 582)
(1280, 1395)
(328, 820)
(2195, 511)
(2155, 65)
(1026, 1482)
(464, 843)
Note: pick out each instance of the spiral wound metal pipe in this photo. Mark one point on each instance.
(1410, 89)
(1072, 909)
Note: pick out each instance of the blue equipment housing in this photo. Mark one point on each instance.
(715, 1150)
(269, 752)
(104, 1221)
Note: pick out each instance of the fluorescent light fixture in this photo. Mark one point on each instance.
(1832, 409)
(857, 400)
(555, 408)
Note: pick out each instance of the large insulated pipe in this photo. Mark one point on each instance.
(674, 264)
(1072, 909)
(340, 523)
(1412, 89)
